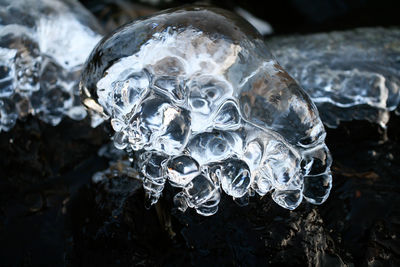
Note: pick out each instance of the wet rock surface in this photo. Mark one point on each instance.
(40, 167)
(52, 212)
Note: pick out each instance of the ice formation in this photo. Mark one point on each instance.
(349, 75)
(197, 100)
(43, 45)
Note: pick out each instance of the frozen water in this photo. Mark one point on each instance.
(349, 75)
(43, 46)
(214, 146)
(234, 176)
(201, 193)
(207, 109)
(152, 167)
(181, 170)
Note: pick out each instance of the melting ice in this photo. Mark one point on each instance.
(349, 75)
(208, 110)
(43, 46)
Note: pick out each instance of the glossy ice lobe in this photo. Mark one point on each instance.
(195, 92)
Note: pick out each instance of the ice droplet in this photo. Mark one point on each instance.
(181, 170)
(288, 199)
(234, 176)
(218, 113)
(152, 168)
(202, 194)
(316, 188)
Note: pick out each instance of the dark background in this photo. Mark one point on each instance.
(52, 215)
(293, 16)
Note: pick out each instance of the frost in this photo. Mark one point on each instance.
(43, 46)
(208, 110)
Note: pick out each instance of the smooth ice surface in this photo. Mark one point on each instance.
(196, 95)
(349, 75)
(43, 44)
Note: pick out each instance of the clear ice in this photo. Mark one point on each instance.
(194, 95)
(43, 45)
(349, 75)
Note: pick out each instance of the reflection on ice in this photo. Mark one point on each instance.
(207, 109)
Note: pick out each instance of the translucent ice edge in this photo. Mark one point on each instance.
(349, 75)
(277, 170)
(40, 64)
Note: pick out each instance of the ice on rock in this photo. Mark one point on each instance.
(349, 74)
(43, 45)
(7, 72)
(316, 187)
(317, 179)
(207, 109)
(253, 154)
(128, 89)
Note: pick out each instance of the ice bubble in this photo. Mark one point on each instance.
(201, 193)
(234, 176)
(181, 170)
(208, 110)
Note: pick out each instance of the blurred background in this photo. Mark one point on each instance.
(285, 16)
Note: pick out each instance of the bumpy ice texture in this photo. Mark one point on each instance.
(194, 95)
(43, 45)
(349, 75)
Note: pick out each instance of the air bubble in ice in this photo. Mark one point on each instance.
(214, 111)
